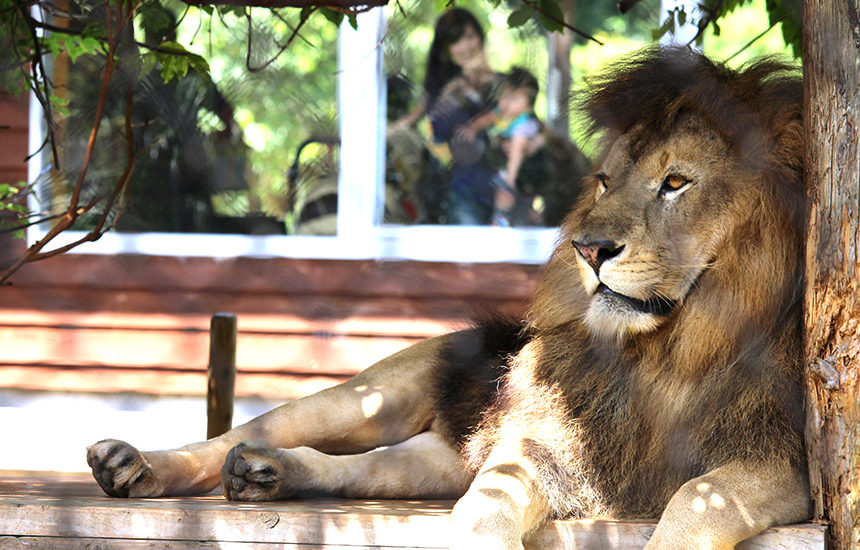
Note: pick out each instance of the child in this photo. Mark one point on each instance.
(519, 132)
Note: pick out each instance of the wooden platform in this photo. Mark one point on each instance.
(71, 513)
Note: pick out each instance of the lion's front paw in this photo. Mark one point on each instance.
(122, 471)
(478, 522)
(254, 470)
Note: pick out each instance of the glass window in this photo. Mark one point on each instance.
(468, 143)
(231, 151)
(409, 138)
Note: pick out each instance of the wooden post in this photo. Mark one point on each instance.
(831, 110)
(221, 374)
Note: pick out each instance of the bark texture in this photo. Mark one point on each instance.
(831, 45)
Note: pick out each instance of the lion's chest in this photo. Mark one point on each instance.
(640, 439)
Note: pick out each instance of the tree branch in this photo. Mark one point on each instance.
(67, 220)
(753, 41)
(293, 35)
(561, 22)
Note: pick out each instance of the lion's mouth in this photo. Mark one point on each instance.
(654, 306)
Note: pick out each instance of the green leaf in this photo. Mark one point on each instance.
(551, 15)
(335, 17)
(353, 21)
(199, 64)
(788, 13)
(238, 11)
(661, 31)
(55, 43)
(95, 30)
(91, 45)
(172, 47)
(60, 105)
(173, 66)
(520, 17)
(682, 16)
(176, 60)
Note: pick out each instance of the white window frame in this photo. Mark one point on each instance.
(360, 232)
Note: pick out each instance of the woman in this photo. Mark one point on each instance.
(459, 85)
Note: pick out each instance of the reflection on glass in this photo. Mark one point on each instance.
(214, 149)
(253, 146)
(479, 154)
(312, 179)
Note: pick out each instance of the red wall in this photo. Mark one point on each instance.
(136, 323)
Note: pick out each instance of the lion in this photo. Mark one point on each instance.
(657, 374)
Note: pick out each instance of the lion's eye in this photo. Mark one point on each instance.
(673, 183)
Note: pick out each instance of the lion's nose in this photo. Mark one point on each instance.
(597, 252)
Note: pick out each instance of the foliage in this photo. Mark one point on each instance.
(13, 213)
(713, 12)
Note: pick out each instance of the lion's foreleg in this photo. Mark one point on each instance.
(503, 504)
(732, 503)
(385, 404)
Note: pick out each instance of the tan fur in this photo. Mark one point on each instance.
(674, 395)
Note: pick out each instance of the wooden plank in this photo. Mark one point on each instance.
(322, 353)
(283, 276)
(574, 534)
(277, 385)
(290, 318)
(85, 543)
(184, 304)
(63, 510)
(792, 537)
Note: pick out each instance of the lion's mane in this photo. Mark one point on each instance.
(619, 426)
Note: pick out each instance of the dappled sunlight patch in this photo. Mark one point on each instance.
(371, 404)
(708, 498)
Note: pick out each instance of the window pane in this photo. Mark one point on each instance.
(251, 147)
(462, 112)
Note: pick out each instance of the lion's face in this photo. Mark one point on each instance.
(650, 224)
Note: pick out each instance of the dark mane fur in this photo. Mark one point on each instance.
(651, 89)
(469, 370)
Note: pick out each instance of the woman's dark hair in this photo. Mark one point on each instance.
(450, 27)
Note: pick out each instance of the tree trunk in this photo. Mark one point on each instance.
(831, 45)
